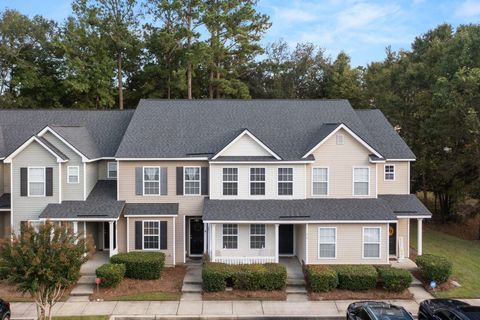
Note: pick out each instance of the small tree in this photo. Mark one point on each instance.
(44, 263)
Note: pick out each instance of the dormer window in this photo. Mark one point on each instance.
(340, 139)
(389, 172)
(112, 170)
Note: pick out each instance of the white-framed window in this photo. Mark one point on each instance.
(191, 180)
(371, 242)
(339, 138)
(151, 235)
(151, 180)
(285, 181)
(36, 181)
(230, 236)
(73, 174)
(361, 181)
(257, 236)
(257, 181)
(230, 181)
(112, 170)
(389, 170)
(327, 242)
(320, 181)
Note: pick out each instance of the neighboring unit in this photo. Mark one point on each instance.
(243, 181)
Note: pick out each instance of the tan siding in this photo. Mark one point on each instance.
(398, 186)
(102, 169)
(4, 224)
(29, 208)
(170, 238)
(349, 244)
(6, 178)
(246, 146)
(403, 228)
(340, 160)
(122, 234)
(300, 242)
(244, 243)
(91, 174)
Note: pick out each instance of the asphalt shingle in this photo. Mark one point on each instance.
(406, 205)
(141, 209)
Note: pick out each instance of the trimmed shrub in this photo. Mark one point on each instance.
(356, 277)
(269, 276)
(141, 265)
(111, 274)
(393, 279)
(434, 267)
(321, 278)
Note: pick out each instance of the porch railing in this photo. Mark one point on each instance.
(244, 260)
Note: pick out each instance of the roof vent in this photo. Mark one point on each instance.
(339, 139)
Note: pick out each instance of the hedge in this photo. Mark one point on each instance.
(141, 265)
(356, 277)
(434, 267)
(393, 279)
(269, 276)
(110, 274)
(321, 278)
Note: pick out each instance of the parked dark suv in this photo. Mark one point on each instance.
(444, 309)
(373, 310)
(4, 310)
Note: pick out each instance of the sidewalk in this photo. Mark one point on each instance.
(204, 308)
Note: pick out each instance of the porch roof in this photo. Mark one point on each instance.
(151, 209)
(100, 204)
(298, 210)
(406, 205)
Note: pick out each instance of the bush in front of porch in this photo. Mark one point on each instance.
(141, 265)
(252, 277)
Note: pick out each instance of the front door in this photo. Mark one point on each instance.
(285, 239)
(196, 237)
(392, 231)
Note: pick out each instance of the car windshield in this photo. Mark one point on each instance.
(472, 313)
(390, 313)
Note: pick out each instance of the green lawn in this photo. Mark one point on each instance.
(148, 296)
(464, 254)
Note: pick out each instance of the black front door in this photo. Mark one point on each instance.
(392, 231)
(196, 236)
(106, 235)
(285, 239)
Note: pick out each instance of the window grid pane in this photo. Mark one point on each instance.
(257, 236)
(151, 235)
(371, 242)
(151, 180)
(230, 236)
(230, 181)
(327, 242)
(285, 184)
(112, 169)
(257, 184)
(192, 181)
(360, 181)
(389, 172)
(36, 181)
(73, 174)
(320, 181)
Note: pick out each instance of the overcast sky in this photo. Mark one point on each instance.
(361, 28)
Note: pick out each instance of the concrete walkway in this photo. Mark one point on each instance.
(192, 283)
(296, 290)
(204, 308)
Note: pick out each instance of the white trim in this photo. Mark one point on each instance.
(163, 159)
(150, 235)
(306, 244)
(48, 129)
(300, 221)
(150, 215)
(80, 219)
(385, 172)
(280, 162)
(26, 144)
(199, 181)
(328, 183)
(278, 182)
(214, 235)
(44, 181)
(353, 181)
(69, 168)
(356, 137)
(59, 182)
(11, 202)
(108, 169)
(184, 240)
(128, 233)
(118, 180)
(277, 246)
(250, 181)
(379, 243)
(159, 181)
(231, 235)
(257, 235)
(401, 159)
(414, 217)
(174, 238)
(408, 178)
(294, 241)
(376, 180)
(319, 243)
(190, 218)
(246, 132)
(84, 181)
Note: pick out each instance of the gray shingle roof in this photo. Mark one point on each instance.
(140, 209)
(105, 128)
(81, 139)
(406, 205)
(189, 128)
(297, 210)
(54, 149)
(101, 203)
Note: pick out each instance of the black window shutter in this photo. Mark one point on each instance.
(205, 181)
(138, 235)
(163, 235)
(138, 181)
(23, 182)
(49, 182)
(179, 181)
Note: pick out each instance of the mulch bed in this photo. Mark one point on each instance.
(373, 294)
(276, 295)
(426, 284)
(10, 293)
(170, 281)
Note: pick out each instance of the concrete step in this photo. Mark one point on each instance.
(82, 290)
(191, 288)
(297, 297)
(295, 289)
(87, 280)
(295, 282)
(191, 297)
(416, 283)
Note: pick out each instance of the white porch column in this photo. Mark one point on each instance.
(110, 239)
(85, 236)
(116, 237)
(212, 257)
(420, 236)
(276, 242)
(75, 229)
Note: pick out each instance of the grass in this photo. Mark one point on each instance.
(465, 255)
(81, 318)
(148, 296)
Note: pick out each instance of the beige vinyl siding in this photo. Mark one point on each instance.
(300, 234)
(403, 230)
(349, 244)
(91, 176)
(271, 181)
(170, 238)
(29, 208)
(6, 178)
(398, 186)
(122, 234)
(244, 243)
(340, 160)
(245, 146)
(188, 205)
(70, 191)
(103, 169)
